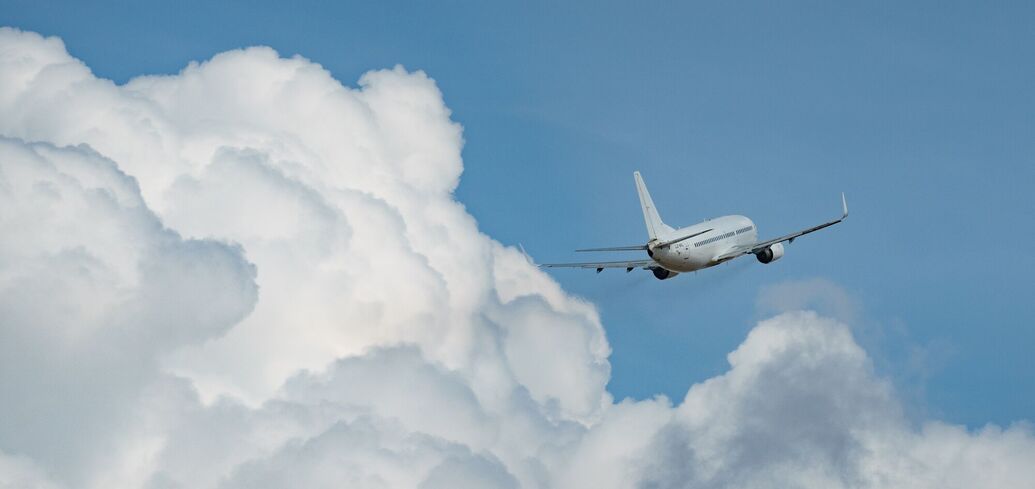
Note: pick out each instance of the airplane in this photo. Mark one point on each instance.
(709, 243)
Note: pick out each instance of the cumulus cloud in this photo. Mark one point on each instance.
(93, 290)
(247, 274)
(815, 294)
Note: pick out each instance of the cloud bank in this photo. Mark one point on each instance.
(249, 275)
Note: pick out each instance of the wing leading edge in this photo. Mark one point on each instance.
(761, 245)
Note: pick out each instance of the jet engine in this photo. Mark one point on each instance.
(770, 254)
(663, 273)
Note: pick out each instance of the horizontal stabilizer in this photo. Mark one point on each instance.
(683, 238)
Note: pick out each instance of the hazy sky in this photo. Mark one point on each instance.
(923, 113)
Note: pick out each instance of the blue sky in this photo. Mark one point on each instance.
(923, 113)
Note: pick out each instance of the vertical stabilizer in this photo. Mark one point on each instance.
(650, 213)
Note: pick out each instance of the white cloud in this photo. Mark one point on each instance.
(816, 294)
(93, 289)
(18, 472)
(247, 274)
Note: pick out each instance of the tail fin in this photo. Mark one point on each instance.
(650, 213)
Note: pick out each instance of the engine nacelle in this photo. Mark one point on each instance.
(663, 273)
(770, 254)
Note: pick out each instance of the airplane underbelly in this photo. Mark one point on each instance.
(681, 262)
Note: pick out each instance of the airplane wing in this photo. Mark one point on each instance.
(601, 265)
(617, 248)
(761, 245)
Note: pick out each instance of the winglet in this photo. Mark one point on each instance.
(844, 206)
(525, 253)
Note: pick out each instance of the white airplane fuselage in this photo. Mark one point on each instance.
(727, 232)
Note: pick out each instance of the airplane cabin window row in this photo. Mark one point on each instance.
(722, 236)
